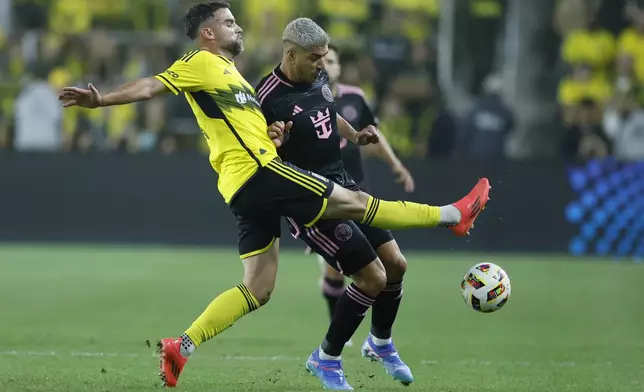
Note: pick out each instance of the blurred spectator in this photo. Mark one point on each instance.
(572, 15)
(590, 45)
(414, 87)
(395, 123)
(583, 85)
(625, 78)
(624, 125)
(70, 16)
(484, 27)
(390, 51)
(419, 17)
(631, 40)
(490, 122)
(584, 137)
(444, 133)
(343, 19)
(42, 131)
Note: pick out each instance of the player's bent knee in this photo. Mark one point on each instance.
(372, 278)
(260, 274)
(394, 261)
(261, 291)
(396, 267)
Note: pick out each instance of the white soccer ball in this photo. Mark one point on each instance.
(486, 287)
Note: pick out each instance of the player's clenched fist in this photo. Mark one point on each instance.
(368, 135)
(277, 131)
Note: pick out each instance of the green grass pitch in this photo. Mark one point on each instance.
(77, 319)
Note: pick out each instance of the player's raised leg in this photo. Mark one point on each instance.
(379, 346)
(259, 249)
(370, 211)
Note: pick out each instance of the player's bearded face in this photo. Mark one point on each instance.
(228, 32)
(236, 45)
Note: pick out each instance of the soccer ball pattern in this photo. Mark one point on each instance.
(486, 287)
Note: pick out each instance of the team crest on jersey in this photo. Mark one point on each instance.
(343, 232)
(326, 92)
(349, 113)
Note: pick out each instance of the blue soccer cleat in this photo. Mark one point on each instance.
(388, 356)
(330, 372)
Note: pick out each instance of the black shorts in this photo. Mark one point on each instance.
(276, 190)
(346, 246)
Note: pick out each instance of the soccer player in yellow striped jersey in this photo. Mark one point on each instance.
(228, 114)
(258, 187)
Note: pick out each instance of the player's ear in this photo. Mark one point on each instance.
(208, 33)
(290, 54)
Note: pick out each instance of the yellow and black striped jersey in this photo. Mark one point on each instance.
(228, 114)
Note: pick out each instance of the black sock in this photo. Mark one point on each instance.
(351, 309)
(332, 290)
(385, 309)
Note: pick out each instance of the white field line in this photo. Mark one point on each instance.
(286, 358)
(15, 353)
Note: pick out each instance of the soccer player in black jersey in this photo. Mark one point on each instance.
(351, 104)
(369, 255)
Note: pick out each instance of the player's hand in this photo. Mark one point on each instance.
(368, 135)
(74, 96)
(308, 250)
(403, 176)
(277, 130)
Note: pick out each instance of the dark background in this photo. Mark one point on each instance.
(157, 199)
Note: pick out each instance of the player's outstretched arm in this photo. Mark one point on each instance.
(138, 90)
(362, 138)
(383, 151)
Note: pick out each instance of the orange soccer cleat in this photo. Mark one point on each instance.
(471, 206)
(171, 362)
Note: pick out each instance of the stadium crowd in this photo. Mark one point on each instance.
(600, 91)
(389, 49)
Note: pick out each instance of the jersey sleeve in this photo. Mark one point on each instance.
(368, 117)
(185, 75)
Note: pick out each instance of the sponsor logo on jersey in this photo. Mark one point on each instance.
(322, 124)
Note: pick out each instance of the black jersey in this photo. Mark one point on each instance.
(313, 142)
(352, 105)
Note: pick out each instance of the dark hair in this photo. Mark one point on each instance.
(336, 49)
(199, 13)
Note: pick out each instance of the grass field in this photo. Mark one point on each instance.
(77, 319)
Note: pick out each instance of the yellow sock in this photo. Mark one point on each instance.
(222, 312)
(400, 214)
